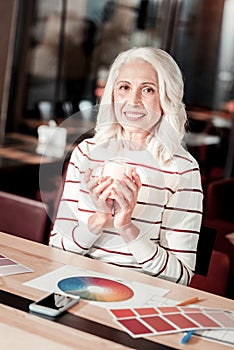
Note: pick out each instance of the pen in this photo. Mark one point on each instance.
(187, 302)
(186, 337)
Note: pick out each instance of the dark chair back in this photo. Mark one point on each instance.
(24, 217)
(218, 277)
(219, 200)
(204, 250)
(212, 272)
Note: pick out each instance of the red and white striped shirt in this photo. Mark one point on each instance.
(168, 213)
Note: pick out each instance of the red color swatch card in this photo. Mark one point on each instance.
(149, 321)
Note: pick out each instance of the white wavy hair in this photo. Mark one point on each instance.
(167, 135)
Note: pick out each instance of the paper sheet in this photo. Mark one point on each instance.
(151, 295)
(225, 336)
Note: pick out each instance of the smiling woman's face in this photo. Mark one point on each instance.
(136, 97)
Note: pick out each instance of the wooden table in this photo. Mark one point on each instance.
(25, 172)
(208, 115)
(90, 326)
(21, 149)
(20, 164)
(220, 119)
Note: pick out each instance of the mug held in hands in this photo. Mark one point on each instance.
(116, 170)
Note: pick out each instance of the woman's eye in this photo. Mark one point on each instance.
(147, 90)
(124, 87)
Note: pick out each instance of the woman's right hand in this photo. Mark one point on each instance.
(100, 189)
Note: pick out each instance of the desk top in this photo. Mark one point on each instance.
(206, 115)
(44, 333)
(20, 149)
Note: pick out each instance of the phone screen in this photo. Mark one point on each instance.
(55, 301)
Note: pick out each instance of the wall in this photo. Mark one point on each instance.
(8, 11)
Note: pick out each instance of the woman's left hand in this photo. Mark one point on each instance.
(125, 196)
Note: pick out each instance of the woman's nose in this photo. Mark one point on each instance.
(135, 97)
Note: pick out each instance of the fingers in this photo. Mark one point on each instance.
(133, 183)
(136, 179)
(87, 175)
(122, 197)
(101, 188)
(125, 193)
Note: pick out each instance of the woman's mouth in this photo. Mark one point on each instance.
(133, 115)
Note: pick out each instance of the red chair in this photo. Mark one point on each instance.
(212, 271)
(219, 204)
(24, 217)
(219, 214)
(217, 279)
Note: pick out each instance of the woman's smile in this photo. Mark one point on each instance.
(134, 116)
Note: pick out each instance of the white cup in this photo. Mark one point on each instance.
(116, 170)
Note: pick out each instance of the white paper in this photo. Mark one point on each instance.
(225, 336)
(144, 294)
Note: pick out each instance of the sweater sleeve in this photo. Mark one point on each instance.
(70, 230)
(173, 257)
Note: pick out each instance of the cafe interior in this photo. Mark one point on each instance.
(54, 61)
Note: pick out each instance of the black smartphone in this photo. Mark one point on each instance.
(53, 304)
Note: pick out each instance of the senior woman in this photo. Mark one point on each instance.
(148, 218)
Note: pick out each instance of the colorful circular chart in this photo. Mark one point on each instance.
(95, 288)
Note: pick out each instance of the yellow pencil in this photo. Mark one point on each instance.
(188, 301)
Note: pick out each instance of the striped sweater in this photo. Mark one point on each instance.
(168, 213)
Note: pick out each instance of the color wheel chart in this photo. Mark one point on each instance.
(96, 288)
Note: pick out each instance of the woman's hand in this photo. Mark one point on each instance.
(125, 195)
(99, 188)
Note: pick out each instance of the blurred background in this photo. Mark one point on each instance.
(59, 51)
(55, 56)
(54, 59)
